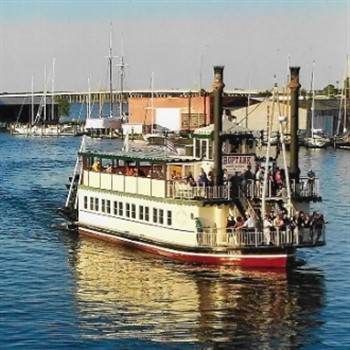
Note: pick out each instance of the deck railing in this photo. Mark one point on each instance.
(182, 190)
(303, 189)
(240, 238)
(176, 189)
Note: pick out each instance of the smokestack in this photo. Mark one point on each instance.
(218, 87)
(294, 87)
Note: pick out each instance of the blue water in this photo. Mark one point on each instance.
(59, 291)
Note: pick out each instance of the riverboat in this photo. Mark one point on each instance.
(151, 200)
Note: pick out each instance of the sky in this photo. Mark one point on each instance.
(171, 44)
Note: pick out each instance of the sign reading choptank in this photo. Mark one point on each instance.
(237, 162)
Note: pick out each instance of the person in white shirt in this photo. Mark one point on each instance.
(267, 226)
(251, 222)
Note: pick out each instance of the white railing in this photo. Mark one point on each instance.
(176, 189)
(239, 238)
(182, 190)
(305, 188)
(302, 189)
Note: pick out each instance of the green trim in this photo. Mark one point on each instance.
(137, 157)
(204, 136)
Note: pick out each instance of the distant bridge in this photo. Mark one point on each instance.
(104, 95)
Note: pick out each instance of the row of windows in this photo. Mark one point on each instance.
(128, 210)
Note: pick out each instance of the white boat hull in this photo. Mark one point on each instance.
(267, 257)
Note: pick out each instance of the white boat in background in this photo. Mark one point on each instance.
(342, 139)
(179, 206)
(106, 126)
(318, 138)
(41, 125)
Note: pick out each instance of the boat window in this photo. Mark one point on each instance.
(155, 214)
(96, 204)
(127, 210)
(120, 208)
(175, 172)
(161, 216)
(147, 213)
(103, 205)
(133, 211)
(85, 202)
(91, 203)
(169, 218)
(141, 212)
(108, 206)
(158, 172)
(115, 207)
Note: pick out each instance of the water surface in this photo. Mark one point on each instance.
(58, 290)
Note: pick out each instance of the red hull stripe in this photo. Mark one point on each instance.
(252, 260)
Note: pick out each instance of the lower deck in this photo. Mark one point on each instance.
(174, 223)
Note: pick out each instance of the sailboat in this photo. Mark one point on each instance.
(318, 139)
(43, 124)
(109, 126)
(342, 140)
(36, 127)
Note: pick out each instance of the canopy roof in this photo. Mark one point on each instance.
(228, 128)
(141, 156)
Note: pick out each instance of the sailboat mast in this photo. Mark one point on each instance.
(122, 78)
(110, 61)
(53, 89)
(88, 114)
(152, 101)
(32, 101)
(313, 99)
(45, 88)
(121, 112)
(346, 94)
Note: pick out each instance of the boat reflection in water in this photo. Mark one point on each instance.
(140, 296)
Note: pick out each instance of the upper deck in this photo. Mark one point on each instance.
(158, 184)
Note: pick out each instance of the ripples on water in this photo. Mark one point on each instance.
(61, 291)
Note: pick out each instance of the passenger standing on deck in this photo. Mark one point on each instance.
(277, 177)
(251, 222)
(202, 180)
(267, 228)
(311, 181)
(225, 177)
(235, 181)
(259, 178)
(230, 223)
(248, 178)
(96, 166)
(199, 229)
(239, 222)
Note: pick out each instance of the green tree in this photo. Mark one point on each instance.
(63, 107)
(329, 90)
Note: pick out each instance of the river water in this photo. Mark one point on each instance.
(59, 291)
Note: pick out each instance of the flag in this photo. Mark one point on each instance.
(170, 146)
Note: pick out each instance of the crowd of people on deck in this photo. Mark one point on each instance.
(280, 220)
(127, 170)
(276, 179)
(203, 180)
